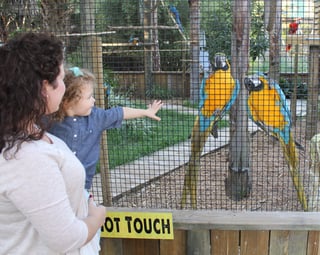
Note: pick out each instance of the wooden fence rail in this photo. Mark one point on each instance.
(228, 233)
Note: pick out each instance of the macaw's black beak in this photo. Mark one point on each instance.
(220, 62)
(253, 84)
(248, 83)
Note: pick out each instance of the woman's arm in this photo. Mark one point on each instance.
(95, 219)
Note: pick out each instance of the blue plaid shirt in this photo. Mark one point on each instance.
(82, 135)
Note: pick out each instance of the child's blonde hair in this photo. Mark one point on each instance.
(75, 79)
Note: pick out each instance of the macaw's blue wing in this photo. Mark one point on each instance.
(268, 108)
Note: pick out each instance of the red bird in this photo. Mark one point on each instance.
(293, 28)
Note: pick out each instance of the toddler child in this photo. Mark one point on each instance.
(80, 124)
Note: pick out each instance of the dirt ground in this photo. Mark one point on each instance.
(272, 187)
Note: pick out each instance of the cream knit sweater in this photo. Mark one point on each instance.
(42, 200)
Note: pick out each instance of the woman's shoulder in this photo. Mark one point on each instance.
(35, 153)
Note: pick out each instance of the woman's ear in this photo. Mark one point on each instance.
(44, 89)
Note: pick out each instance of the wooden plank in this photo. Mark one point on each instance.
(313, 243)
(297, 243)
(140, 247)
(303, 39)
(198, 242)
(254, 242)
(279, 242)
(226, 220)
(176, 246)
(224, 242)
(289, 243)
(151, 247)
(133, 247)
(111, 246)
(229, 220)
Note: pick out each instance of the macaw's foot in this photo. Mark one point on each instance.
(214, 130)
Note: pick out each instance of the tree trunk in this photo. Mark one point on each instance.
(156, 64)
(273, 26)
(147, 37)
(87, 26)
(238, 183)
(195, 50)
(56, 16)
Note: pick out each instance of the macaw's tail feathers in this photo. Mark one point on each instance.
(190, 183)
(293, 162)
(198, 140)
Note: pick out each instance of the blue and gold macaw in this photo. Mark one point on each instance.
(217, 94)
(267, 107)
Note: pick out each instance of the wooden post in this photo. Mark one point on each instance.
(198, 242)
(239, 178)
(97, 67)
(87, 26)
(147, 37)
(194, 50)
(313, 91)
(293, 101)
(272, 15)
(92, 60)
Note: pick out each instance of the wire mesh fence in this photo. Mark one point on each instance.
(239, 81)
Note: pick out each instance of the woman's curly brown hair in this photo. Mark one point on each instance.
(26, 61)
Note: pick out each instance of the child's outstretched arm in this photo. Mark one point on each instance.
(133, 113)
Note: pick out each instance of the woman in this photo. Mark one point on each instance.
(43, 204)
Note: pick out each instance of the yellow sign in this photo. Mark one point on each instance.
(138, 225)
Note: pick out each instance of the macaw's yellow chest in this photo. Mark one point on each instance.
(218, 89)
(265, 106)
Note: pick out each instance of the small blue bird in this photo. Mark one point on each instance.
(134, 40)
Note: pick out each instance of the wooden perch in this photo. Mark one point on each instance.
(303, 40)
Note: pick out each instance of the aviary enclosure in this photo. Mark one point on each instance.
(219, 144)
(239, 80)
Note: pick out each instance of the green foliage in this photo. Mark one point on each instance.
(287, 86)
(74, 58)
(259, 42)
(116, 99)
(218, 28)
(157, 92)
(114, 13)
(110, 78)
(190, 104)
(132, 141)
